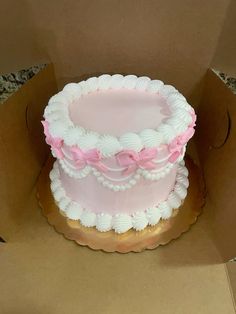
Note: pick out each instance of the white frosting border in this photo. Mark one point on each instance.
(61, 126)
(120, 223)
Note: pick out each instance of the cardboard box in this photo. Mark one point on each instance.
(41, 272)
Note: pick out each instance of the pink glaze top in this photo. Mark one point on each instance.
(115, 111)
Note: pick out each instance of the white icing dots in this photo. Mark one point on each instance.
(131, 141)
(165, 210)
(59, 194)
(183, 171)
(74, 89)
(180, 190)
(74, 211)
(104, 81)
(178, 102)
(55, 184)
(84, 87)
(140, 221)
(88, 219)
(153, 215)
(108, 145)
(151, 138)
(60, 97)
(58, 129)
(178, 125)
(63, 203)
(142, 83)
(92, 84)
(168, 132)
(88, 141)
(54, 174)
(183, 180)
(167, 90)
(122, 223)
(154, 86)
(56, 107)
(116, 81)
(104, 222)
(130, 81)
(184, 116)
(73, 135)
(174, 200)
(54, 116)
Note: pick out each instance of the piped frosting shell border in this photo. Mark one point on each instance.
(61, 126)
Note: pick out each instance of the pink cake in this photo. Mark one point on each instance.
(119, 143)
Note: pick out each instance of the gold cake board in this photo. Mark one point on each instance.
(135, 241)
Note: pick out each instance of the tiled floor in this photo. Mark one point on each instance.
(9, 83)
(229, 80)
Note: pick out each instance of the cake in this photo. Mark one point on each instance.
(119, 144)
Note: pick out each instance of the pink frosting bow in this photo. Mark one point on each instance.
(55, 143)
(132, 160)
(90, 157)
(176, 146)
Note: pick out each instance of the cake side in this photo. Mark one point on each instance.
(94, 197)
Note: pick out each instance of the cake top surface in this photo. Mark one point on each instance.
(117, 111)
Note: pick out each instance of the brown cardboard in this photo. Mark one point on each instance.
(216, 135)
(23, 149)
(231, 269)
(172, 40)
(41, 272)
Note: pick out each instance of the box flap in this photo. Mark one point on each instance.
(216, 135)
(171, 40)
(23, 149)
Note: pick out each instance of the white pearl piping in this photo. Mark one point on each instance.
(101, 179)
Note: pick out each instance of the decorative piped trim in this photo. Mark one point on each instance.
(61, 126)
(118, 186)
(120, 223)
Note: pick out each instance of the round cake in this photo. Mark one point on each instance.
(119, 143)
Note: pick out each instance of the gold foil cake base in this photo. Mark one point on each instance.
(136, 241)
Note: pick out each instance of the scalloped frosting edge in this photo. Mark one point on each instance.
(62, 127)
(120, 223)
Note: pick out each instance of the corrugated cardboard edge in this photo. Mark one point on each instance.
(230, 268)
(23, 148)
